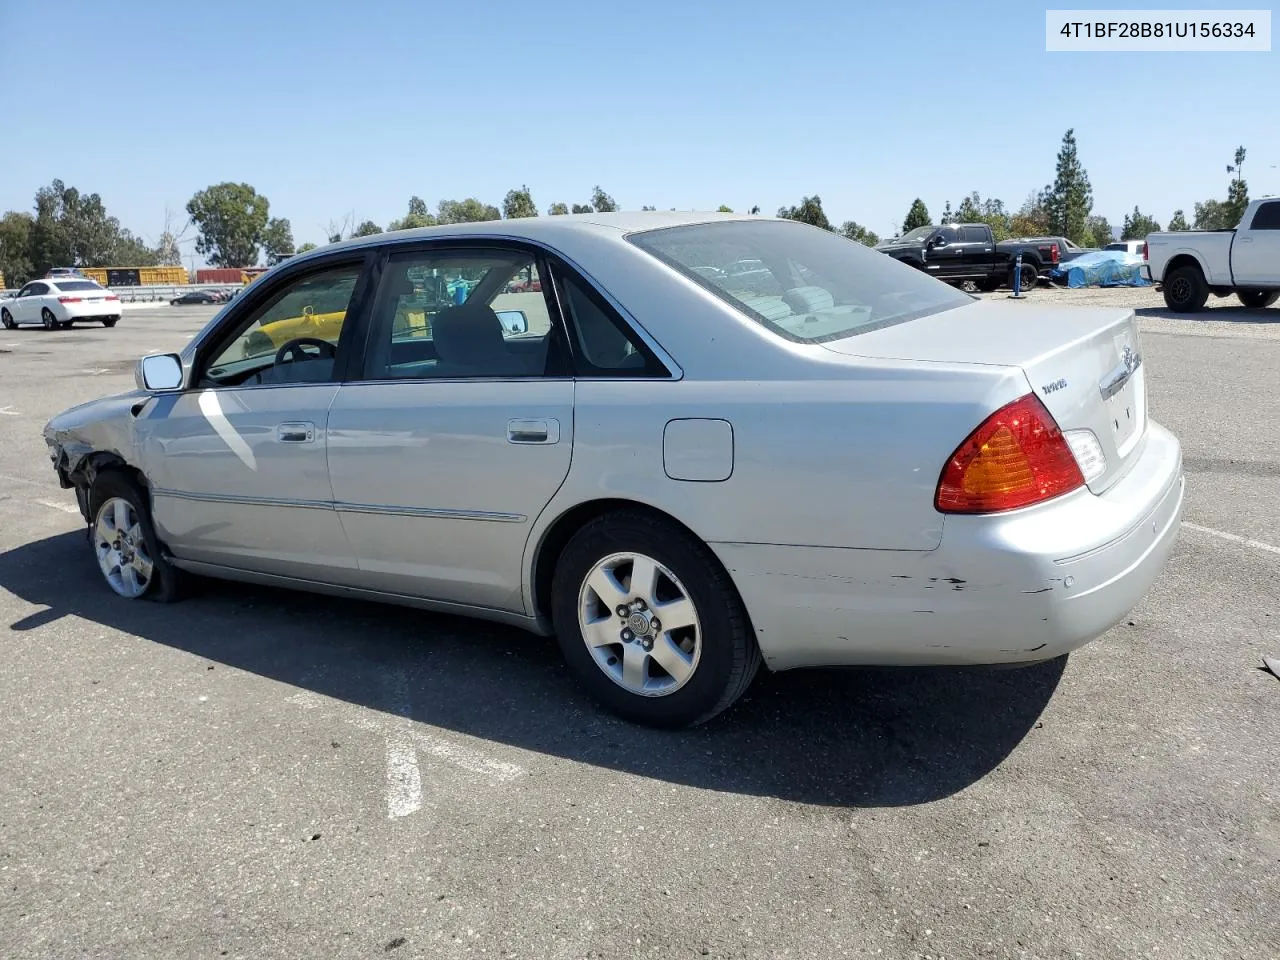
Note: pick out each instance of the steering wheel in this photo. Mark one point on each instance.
(292, 351)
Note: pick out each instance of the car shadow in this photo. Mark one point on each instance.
(1216, 314)
(849, 738)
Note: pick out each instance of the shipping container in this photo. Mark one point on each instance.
(220, 275)
(97, 274)
(122, 277)
(162, 276)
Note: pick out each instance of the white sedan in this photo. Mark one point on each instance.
(59, 302)
(680, 474)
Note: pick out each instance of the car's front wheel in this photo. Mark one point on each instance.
(7, 319)
(125, 544)
(650, 622)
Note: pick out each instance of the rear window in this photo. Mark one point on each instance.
(71, 285)
(803, 283)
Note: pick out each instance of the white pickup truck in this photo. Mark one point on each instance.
(1191, 264)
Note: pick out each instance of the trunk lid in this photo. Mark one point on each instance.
(1084, 364)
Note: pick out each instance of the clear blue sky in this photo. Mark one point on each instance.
(333, 107)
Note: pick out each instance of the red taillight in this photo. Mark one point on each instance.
(111, 297)
(68, 299)
(1017, 457)
(1054, 256)
(1144, 250)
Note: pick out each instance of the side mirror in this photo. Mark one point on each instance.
(160, 372)
(938, 241)
(513, 321)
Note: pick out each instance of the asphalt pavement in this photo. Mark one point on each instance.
(258, 773)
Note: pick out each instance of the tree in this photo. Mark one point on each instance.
(1101, 230)
(307, 247)
(723, 209)
(1178, 222)
(754, 211)
(970, 209)
(1032, 218)
(518, 203)
(601, 202)
(1071, 196)
(856, 231)
(277, 241)
(128, 250)
(231, 218)
(469, 210)
(70, 229)
(809, 211)
(947, 215)
(167, 252)
(917, 216)
(646, 208)
(367, 228)
(581, 208)
(558, 210)
(416, 217)
(1238, 192)
(1137, 225)
(15, 248)
(1212, 215)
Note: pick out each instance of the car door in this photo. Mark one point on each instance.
(459, 429)
(29, 302)
(238, 461)
(976, 251)
(944, 256)
(1255, 254)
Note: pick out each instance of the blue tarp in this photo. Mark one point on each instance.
(1105, 268)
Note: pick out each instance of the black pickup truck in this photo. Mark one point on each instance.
(968, 251)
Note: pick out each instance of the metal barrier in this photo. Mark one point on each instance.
(154, 293)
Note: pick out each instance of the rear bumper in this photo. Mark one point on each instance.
(1024, 586)
(90, 311)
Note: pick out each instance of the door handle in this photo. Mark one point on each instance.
(296, 432)
(1245, 239)
(533, 431)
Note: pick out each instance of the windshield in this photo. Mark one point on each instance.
(805, 284)
(919, 233)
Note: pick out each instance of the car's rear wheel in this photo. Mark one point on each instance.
(48, 319)
(1029, 276)
(124, 541)
(110, 321)
(650, 622)
(1185, 290)
(7, 319)
(1258, 299)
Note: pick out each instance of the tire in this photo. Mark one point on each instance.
(1029, 277)
(48, 319)
(717, 646)
(110, 321)
(1258, 299)
(7, 319)
(1185, 290)
(164, 583)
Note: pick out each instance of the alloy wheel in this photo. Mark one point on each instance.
(640, 624)
(121, 548)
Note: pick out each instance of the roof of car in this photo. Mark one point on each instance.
(537, 228)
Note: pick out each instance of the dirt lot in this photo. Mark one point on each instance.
(261, 774)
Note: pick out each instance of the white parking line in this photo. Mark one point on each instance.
(403, 741)
(64, 507)
(9, 412)
(1233, 538)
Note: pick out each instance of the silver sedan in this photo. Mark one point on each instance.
(601, 427)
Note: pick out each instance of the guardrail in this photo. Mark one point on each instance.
(153, 294)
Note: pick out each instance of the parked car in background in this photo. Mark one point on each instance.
(57, 304)
(196, 296)
(968, 251)
(1128, 246)
(64, 273)
(1191, 264)
(679, 477)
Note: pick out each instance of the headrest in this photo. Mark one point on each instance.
(469, 333)
(808, 299)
